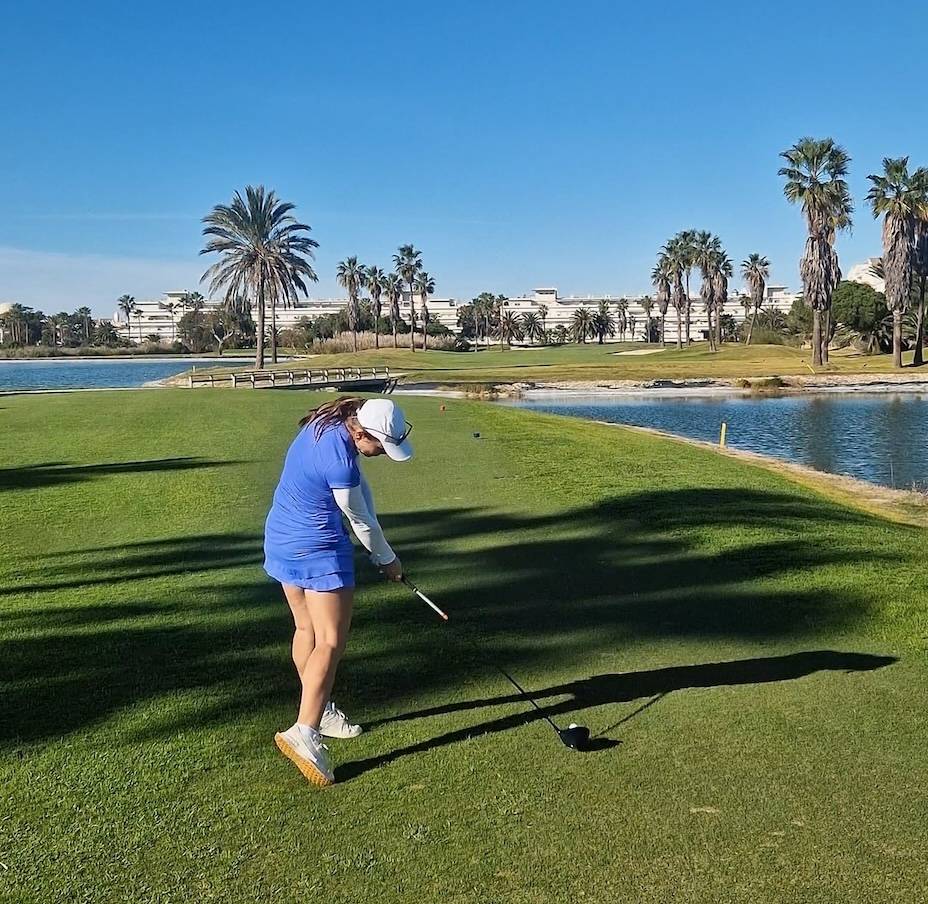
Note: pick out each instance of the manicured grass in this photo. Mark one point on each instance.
(600, 362)
(758, 650)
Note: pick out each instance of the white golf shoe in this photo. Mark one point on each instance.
(307, 753)
(335, 724)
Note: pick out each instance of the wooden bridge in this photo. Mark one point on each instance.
(343, 379)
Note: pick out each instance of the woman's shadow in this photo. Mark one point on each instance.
(620, 688)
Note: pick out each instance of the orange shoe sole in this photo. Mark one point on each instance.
(310, 772)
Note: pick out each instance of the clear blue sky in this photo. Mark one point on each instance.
(516, 143)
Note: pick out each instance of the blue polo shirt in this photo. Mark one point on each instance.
(305, 535)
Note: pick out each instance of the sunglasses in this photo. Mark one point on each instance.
(391, 439)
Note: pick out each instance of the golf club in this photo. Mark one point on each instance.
(576, 737)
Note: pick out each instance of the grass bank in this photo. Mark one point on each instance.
(752, 655)
(604, 363)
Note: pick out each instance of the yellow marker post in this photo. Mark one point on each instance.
(722, 434)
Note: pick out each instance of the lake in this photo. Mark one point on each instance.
(95, 373)
(879, 437)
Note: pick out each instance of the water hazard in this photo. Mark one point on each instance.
(880, 437)
(95, 373)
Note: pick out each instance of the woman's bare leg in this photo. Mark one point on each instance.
(330, 617)
(303, 637)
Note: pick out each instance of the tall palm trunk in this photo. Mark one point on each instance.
(816, 337)
(412, 317)
(273, 331)
(679, 330)
(259, 351)
(897, 338)
(751, 327)
(688, 307)
(663, 330)
(918, 360)
(826, 334)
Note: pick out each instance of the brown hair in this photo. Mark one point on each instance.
(332, 413)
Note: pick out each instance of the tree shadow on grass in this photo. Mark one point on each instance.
(189, 617)
(620, 688)
(137, 562)
(54, 473)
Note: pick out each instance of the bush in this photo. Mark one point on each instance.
(764, 336)
(343, 343)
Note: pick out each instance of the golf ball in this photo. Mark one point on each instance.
(572, 725)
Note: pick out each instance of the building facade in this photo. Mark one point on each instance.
(159, 317)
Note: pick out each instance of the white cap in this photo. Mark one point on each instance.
(385, 421)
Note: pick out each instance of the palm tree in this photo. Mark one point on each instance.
(408, 262)
(375, 281)
(543, 314)
(581, 324)
(920, 269)
(531, 326)
(688, 250)
(263, 252)
(647, 305)
(485, 305)
(814, 173)
(898, 197)
(677, 254)
(510, 327)
(425, 286)
(604, 324)
(171, 307)
(86, 318)
(349, 274)
(756, 272)
(748, 304)
(722, 272)
(393, 286)
(620, 325)
(105, 333)
(661, 278)
(707, 248)
(193, 302)
(126, 306)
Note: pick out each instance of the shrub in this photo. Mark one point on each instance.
(343, 343)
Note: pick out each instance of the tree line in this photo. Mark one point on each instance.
(488, 317)
(699, 249)
(265, 259)
(22, 326)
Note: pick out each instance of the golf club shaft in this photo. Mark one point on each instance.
(423, 597)
(525, 694)
(499, 668)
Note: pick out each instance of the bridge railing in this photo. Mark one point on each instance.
(312, 376)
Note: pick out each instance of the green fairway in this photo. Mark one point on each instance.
(752, 658)
(598, 362)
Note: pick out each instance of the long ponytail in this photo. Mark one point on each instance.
(332, 413)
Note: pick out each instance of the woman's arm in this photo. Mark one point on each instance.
(357, 506)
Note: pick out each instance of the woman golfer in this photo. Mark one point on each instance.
(307, 549)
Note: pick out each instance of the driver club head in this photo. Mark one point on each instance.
(576, 737)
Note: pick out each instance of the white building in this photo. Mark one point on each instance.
(159, 317)
(863, 273)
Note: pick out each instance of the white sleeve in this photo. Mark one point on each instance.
(352, 502)
(368, 496)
